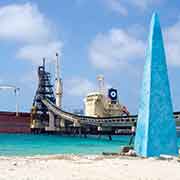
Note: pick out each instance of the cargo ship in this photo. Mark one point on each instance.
(11, 122)
(104, 113)
(14, 122)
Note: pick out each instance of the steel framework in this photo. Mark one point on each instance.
(44, 91)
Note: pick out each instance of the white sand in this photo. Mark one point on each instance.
(72, 167)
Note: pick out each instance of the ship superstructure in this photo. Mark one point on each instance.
(100, 104)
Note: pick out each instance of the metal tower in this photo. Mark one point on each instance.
(58, 87)
(101, 84)
(44, 91)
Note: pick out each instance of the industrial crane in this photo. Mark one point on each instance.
(16, 93)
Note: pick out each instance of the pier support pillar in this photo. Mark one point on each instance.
(80, 132)
(51, 126)
(62, 123)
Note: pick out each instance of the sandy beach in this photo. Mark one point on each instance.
(73, 167)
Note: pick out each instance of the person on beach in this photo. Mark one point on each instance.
(133, 130)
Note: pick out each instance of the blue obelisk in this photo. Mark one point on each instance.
(156, 129)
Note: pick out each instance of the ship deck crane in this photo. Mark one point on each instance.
(16, 93)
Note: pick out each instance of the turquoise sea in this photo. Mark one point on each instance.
(28, 145)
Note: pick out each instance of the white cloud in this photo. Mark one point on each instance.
(118, 48)
(115, 49)
(122, 6)
(35, 53)
(138, 31)
(117, 6)
(144, 4)
(172, 44)
(79, 86)
(24, 23)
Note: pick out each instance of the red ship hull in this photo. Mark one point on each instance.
(10, 123)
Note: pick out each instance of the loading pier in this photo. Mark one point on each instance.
(47, 115)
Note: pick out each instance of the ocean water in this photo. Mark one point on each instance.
(28, 145)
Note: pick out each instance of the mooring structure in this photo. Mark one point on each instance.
(48, 117)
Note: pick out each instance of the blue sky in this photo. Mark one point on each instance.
(94, 37)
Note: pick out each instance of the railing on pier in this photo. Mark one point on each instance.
(118, 121)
